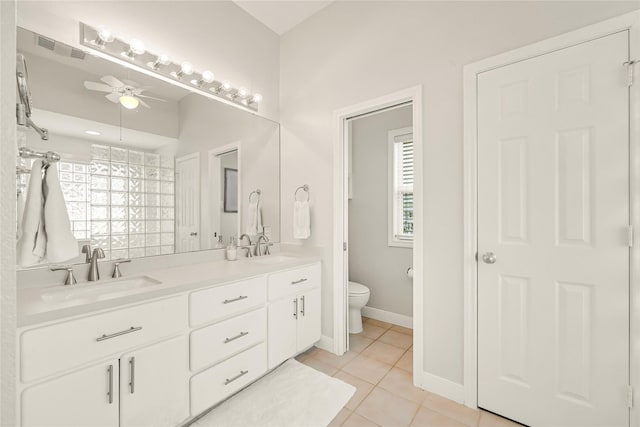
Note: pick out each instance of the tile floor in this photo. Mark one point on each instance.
(380, 365)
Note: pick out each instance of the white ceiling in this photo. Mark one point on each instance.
(281, 16)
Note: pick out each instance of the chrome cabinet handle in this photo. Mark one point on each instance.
(110, 383)
(489, 258)
(295, 308)
(241, 297)
(230, 380)
(295, 282)
(302, 310)
(117, 334)
(240, 335)
(132, 375)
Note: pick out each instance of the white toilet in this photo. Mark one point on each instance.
(358, 298)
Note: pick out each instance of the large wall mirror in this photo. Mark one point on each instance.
(146, 167)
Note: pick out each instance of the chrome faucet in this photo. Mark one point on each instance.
(247, 247)
(259, 246)
(98, 253)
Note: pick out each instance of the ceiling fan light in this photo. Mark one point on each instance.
(129, 102)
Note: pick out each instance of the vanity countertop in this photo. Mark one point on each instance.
(35, 304)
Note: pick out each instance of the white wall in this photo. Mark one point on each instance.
(354, 51)
(372, 261)
(228, 220)
(215, 35)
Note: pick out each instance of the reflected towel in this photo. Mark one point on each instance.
(31, 246)
(301, 220)
(61, 244)
(254, 218)
(22, 200)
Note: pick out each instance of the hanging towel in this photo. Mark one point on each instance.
(22, 200)
(31, 246)
(301, 220)
(254, 218)
(61, 244)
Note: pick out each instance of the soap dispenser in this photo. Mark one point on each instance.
(232, 250)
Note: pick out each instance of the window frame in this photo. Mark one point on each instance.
(394, 203)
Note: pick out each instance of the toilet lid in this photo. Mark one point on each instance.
(356, 288)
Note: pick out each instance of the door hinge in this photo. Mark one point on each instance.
(630, 396)
(629, 65)
(630, 235)
(344, 246)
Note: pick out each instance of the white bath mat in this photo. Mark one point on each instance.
(294, 395)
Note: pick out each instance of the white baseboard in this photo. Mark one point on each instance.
(443, 387)
(326, 344)
(387, 316)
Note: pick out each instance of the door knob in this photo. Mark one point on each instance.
(489, 258)
(193, 233)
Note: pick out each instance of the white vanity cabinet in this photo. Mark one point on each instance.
(294, 312)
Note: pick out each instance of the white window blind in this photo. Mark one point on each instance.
(401, 187)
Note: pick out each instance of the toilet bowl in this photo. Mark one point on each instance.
(358, 298)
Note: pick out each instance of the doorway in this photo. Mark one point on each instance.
(549, 204)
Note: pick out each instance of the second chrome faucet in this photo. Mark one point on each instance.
(92, 258)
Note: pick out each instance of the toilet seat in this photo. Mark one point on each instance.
(356, 288)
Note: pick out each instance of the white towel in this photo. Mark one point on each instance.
(21, 202)
(31, 246)
(254, 218)
(61, 244)
(301, 220)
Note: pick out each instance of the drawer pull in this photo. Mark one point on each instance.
(240, 298)
(110, 384)
(132, 373)
(295, 308)
(302, 310)
(295, 282)
(117, 334)
(230, 380)
(240, 335)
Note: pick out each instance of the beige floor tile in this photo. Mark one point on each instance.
(310, 352)
(363, 388)
(334, 360)
(487, 419)
(406, 362)
(340, 418)
(387, 409)
(452, 409)
(402, 330)
(356, 420)
(367, 369)
(397, 339)
(385, 353)
(372, 331)
(428, 418)
(400, 383)
(320, 366)
(379, 323)
(358, 342)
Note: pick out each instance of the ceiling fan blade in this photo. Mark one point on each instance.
(151, 97)
(100, 87)
(113, 97)
(112, 81)
(139, 90)
(144, 104)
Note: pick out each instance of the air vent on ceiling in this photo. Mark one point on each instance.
(59, 48)
(77, 53)
(45, 42)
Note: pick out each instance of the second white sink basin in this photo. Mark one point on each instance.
(97, 291)
(272, 259)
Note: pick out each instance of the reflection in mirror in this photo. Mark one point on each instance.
(146, 168)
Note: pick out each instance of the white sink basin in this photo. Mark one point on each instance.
(272, 259)
(97, 291)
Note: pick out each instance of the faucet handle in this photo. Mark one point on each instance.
(116, 267)
(98, 253)
(69, 279)
(86, 249)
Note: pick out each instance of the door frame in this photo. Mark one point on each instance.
(628, 22)
(340, 215)
(213, 161)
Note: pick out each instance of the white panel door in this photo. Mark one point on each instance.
(188, 203)
(154, 388)
(281, 330)
(553, 208)
(309, 327)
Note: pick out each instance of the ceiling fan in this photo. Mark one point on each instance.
(129, 94)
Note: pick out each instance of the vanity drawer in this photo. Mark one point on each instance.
(223, 301)
(217, 342)
(220, 381)
(291, 282)
(55, 348)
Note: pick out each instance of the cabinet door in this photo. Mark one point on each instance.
(154, 385)
(308, 319)
(282, 330)
(87, 397)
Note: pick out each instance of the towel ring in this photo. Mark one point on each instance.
(306, 190)
(257, 192)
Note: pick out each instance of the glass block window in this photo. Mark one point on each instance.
(74, 181)
(132, 202)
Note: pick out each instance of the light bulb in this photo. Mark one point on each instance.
(226, 85)
(243, 92)
(129, 102)
(256, 98)
(207, 76)
(160, 60)
(104, 36)
(186, 69)
(136, 47)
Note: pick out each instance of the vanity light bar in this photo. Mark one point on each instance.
(134, 53)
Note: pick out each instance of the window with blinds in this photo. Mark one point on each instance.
(401, 187)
